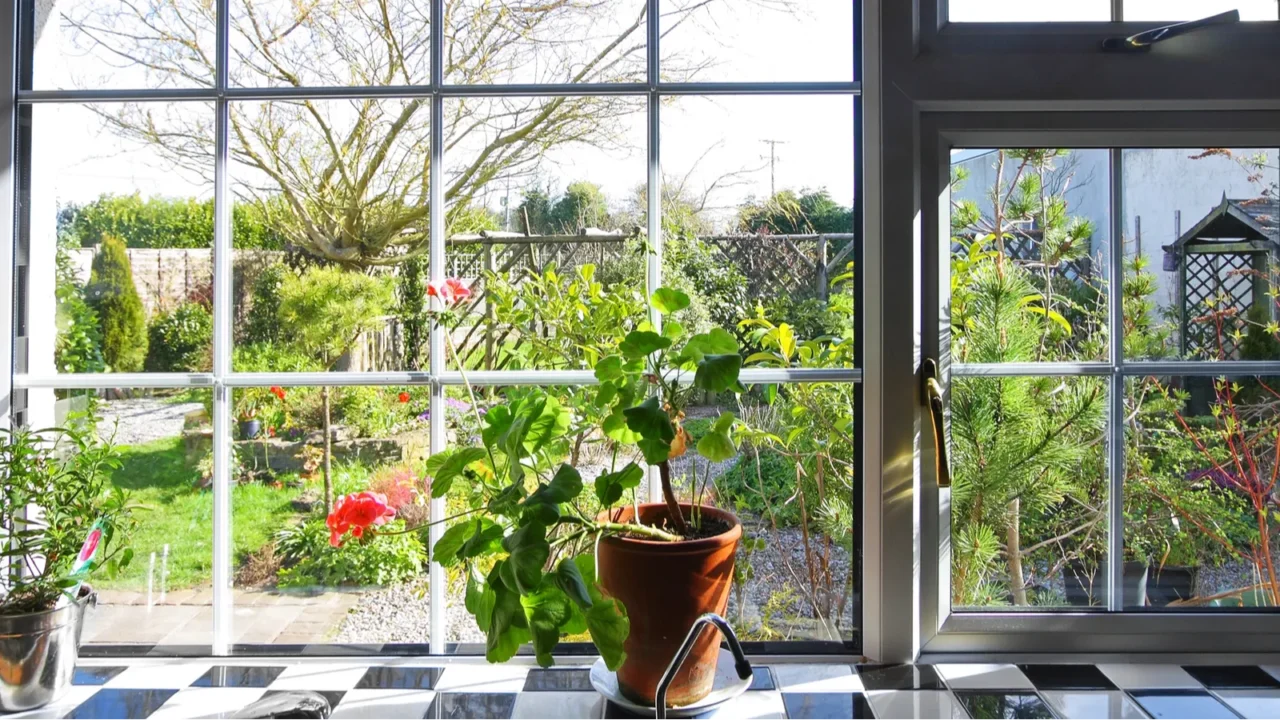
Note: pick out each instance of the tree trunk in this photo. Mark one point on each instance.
(1013, 547)
(328, 452)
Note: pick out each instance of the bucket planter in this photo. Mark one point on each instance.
(38, 651)
(665, 587)
(249, 429)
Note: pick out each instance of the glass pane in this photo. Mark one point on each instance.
(1029, 10)
(99, 44)
(1029, 237)
(531, 41)
(1029, 493)
(1174, 10)
(330, 240)
(1200, 228)
(284, 43)
(291, 586)
(1199, 494)
(757, 204)
(546, 233)
(164, 596)
(118, 217)
(795, 574)
(758, 41)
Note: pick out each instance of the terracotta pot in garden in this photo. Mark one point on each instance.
(665, 587)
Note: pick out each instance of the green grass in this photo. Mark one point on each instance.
(175, 511)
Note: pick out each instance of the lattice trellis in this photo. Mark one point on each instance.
(1216, 284)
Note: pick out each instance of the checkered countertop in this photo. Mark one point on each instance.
(434, 687)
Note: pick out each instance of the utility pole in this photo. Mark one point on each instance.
(773, 159)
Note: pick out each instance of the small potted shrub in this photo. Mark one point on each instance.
(63, 521)
(526, 545)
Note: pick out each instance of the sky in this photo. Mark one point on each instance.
(704, 138)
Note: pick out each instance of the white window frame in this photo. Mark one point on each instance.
(223, 380)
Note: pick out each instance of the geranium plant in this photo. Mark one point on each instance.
(526, 543)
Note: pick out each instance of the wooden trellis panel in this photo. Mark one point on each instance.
(1225, 281)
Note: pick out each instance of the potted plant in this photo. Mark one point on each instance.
(62, 520)
(525, 543)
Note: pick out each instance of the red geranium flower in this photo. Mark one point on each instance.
(451, 292)
(355, 513)
(277, 391)
(404, 397)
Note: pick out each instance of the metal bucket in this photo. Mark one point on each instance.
(38, 654)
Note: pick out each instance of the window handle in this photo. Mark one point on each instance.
(1143, 41)
(933, 398)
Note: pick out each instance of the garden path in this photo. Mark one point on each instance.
(141, 420)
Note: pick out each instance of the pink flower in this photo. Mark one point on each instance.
(357, 512)
(451, 291)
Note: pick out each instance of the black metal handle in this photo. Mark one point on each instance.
(1144, 40)
(740, 658)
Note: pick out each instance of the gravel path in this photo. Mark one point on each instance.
(142, 420)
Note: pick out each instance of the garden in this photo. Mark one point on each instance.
(788, 470)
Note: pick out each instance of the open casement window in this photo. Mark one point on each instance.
(1015, 141)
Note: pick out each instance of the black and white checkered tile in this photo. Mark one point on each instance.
(409, 688)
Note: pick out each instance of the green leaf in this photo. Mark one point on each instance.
(548, 420)
(512, 442)
(609, 626)
(615, 428)
(529, 552)
(486, 539)
(786, 341)
(642, 343)
(479, 599)
(1053, 315)
(763, 357)
(609, 368)
(610, 486)
(445, 551)
(545, 610)
(672, 330)
(668, 301)
(717, 341)
(508, 626)
(718, 373)
(655, 429)
(716, 445)
(570, 581)
(451, 467)
(564, 486)
(507, 502)
(540, 513)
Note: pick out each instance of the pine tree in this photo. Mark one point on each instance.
(113, 296)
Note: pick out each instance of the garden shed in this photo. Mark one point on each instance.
(1228, 256)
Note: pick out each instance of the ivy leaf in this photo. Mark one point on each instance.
(529, 552)
(569, 579)
(718, 373)
(564, 486)
(545, 610)
(451, 467)
(642, 343)
(716, 445)
(610, 486)
(668, 301)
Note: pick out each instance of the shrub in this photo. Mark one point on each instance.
(411, 310)
(374, 412)
(324, 310)
(79, 344)
(740, 486)
(181, 341)
(311, 562)
(160, 222)
(262, 323)
(112, 295)
(399, 483)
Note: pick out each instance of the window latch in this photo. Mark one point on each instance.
(1143, 41)
(932, 392)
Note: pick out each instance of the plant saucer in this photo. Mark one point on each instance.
(726, 687)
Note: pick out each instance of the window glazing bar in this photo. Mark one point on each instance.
(223, 614)
(1133, 368)
(101, 381)
(1026, 369)
(412, 91)
(436, 422)
(653, 180)
(1115, 394)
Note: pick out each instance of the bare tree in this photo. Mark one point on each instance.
(347, 179)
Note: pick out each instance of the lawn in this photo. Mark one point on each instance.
(175, 511)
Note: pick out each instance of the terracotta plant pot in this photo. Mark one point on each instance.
(665, 587)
